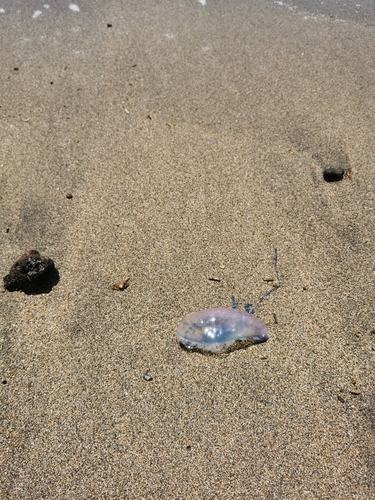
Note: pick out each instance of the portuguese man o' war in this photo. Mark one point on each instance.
(215, 330)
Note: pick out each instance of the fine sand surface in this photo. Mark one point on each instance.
(193, 140)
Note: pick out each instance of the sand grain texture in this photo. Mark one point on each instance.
(193, 140)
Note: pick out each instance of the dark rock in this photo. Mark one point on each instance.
(333, 174)
(32, 273)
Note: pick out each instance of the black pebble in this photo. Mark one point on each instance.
(342, 400)
(109, 25)
(333, 174)
(69, 196)
(32, 273)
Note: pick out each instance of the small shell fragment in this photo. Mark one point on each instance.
(215, 330)
(120, 286)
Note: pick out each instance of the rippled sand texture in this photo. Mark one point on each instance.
(158, 152)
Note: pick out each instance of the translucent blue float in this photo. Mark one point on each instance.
(217, 329)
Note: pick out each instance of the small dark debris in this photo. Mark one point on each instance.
(342, 400)
(16, 69)
(214, 279)
(51, 83)
(4, 382)
(275, 318)
(188, 447)
(32, 273)
(304, 288)
(69, 196)
(120, 286)
(371, 331)
(147, 377)
(149, 117)
(333, 174)
(109, 25)
(7, 231)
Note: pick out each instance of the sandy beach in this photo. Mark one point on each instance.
(191, 139)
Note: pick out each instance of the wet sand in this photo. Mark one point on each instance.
(193, 140)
